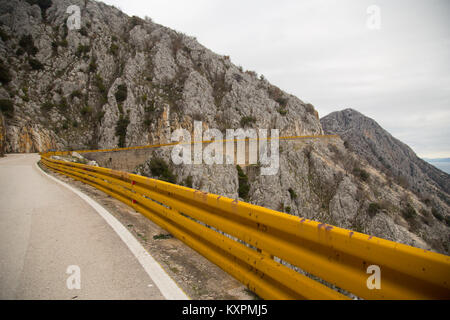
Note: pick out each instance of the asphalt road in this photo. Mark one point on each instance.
(46, 228)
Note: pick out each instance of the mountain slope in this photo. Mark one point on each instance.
(369, 140)
(121, 81)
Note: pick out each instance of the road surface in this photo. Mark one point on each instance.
(45, 228)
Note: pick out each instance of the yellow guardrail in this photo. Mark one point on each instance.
(247, 241)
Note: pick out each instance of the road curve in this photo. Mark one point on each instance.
(45, 228)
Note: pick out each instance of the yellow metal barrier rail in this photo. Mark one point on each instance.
(252, 239)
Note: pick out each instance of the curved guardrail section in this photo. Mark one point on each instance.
(262, 247)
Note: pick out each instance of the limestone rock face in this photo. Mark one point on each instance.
(166, 74)
(370, 141)
(385, 152)
(31, 137)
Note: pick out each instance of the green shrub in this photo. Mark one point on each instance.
(27, 44)
(121, 93)
(121, 129)
(19, 52)
(98, 81)
(188, 182)
(4, 36)
(447, 220)
(292, 193)
(76, 94)
(86, 110)
(147, 122)
(426, 201)
(35, 64)
(93, 65)
(75, 123)
(134, 21)
(150, 108)
(244, 186)
(64, 43)
(288, 209)
(55, 46)
(63, 104)
(47, 106)
(162, 236)
(160, 169)
(60, 73)
(373, 209)
(114, 49)
(409, 213)
(82, 50)
(361, 173)
(83, 31)
(364, 175)
(7, 107)
(276, 94)
(99, 116)
(246, 121)
(43, 4)
(282, 111)
(437, 215)
(5, 75)
(282, 101)
(120, 107)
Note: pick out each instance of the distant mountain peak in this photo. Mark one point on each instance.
(369, 140)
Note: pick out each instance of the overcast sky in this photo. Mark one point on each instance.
(323, 52)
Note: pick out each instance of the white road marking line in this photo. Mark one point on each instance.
(168, 287)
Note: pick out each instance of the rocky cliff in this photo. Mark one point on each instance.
(369, 140)
(120, 81)
(124, 81)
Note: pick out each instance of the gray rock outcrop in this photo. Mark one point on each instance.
(370, 141)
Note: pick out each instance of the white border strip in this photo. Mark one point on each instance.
(168, 287)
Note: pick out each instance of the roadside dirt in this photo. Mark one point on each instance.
(198, 277)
